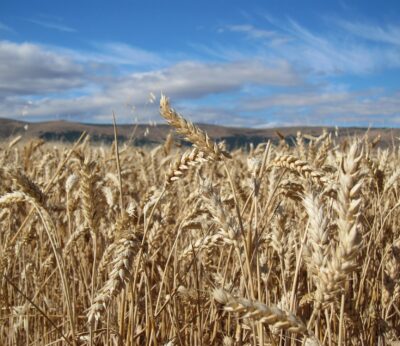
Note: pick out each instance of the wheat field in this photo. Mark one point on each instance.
(276, 245)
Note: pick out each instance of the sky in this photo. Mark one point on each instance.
(234, 63)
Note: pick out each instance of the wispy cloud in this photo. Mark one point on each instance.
(269, 37)
(52, 25)
(4, 27)
(389, 34)
(329, 53)
(123, 54)
(325, 51)
(113, 55)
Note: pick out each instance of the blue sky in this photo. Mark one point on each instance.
(236, 63)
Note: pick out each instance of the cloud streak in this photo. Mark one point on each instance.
(326, 52)
(52, 25)
(254, 33)
(333, 55)
(381, 34)
(4, 27)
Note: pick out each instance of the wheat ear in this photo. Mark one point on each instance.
(120, 275)
(192, 133)
(342, 261)
(303, 168)
(260, 312)
(188, 159)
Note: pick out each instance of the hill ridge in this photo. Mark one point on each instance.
(61, 130)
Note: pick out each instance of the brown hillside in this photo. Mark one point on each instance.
(69, 131)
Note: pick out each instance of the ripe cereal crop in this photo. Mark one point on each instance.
(283, 244)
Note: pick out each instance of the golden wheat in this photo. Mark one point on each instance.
(124, 245)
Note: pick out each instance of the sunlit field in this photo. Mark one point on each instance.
(278, 244)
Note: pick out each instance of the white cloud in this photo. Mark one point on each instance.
(379, 106)
(28, 69)
(283, 62)
(193, 79)
(329, 108)
(31, 70)
(296, 100)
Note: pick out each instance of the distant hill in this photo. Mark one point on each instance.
(145, 134)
